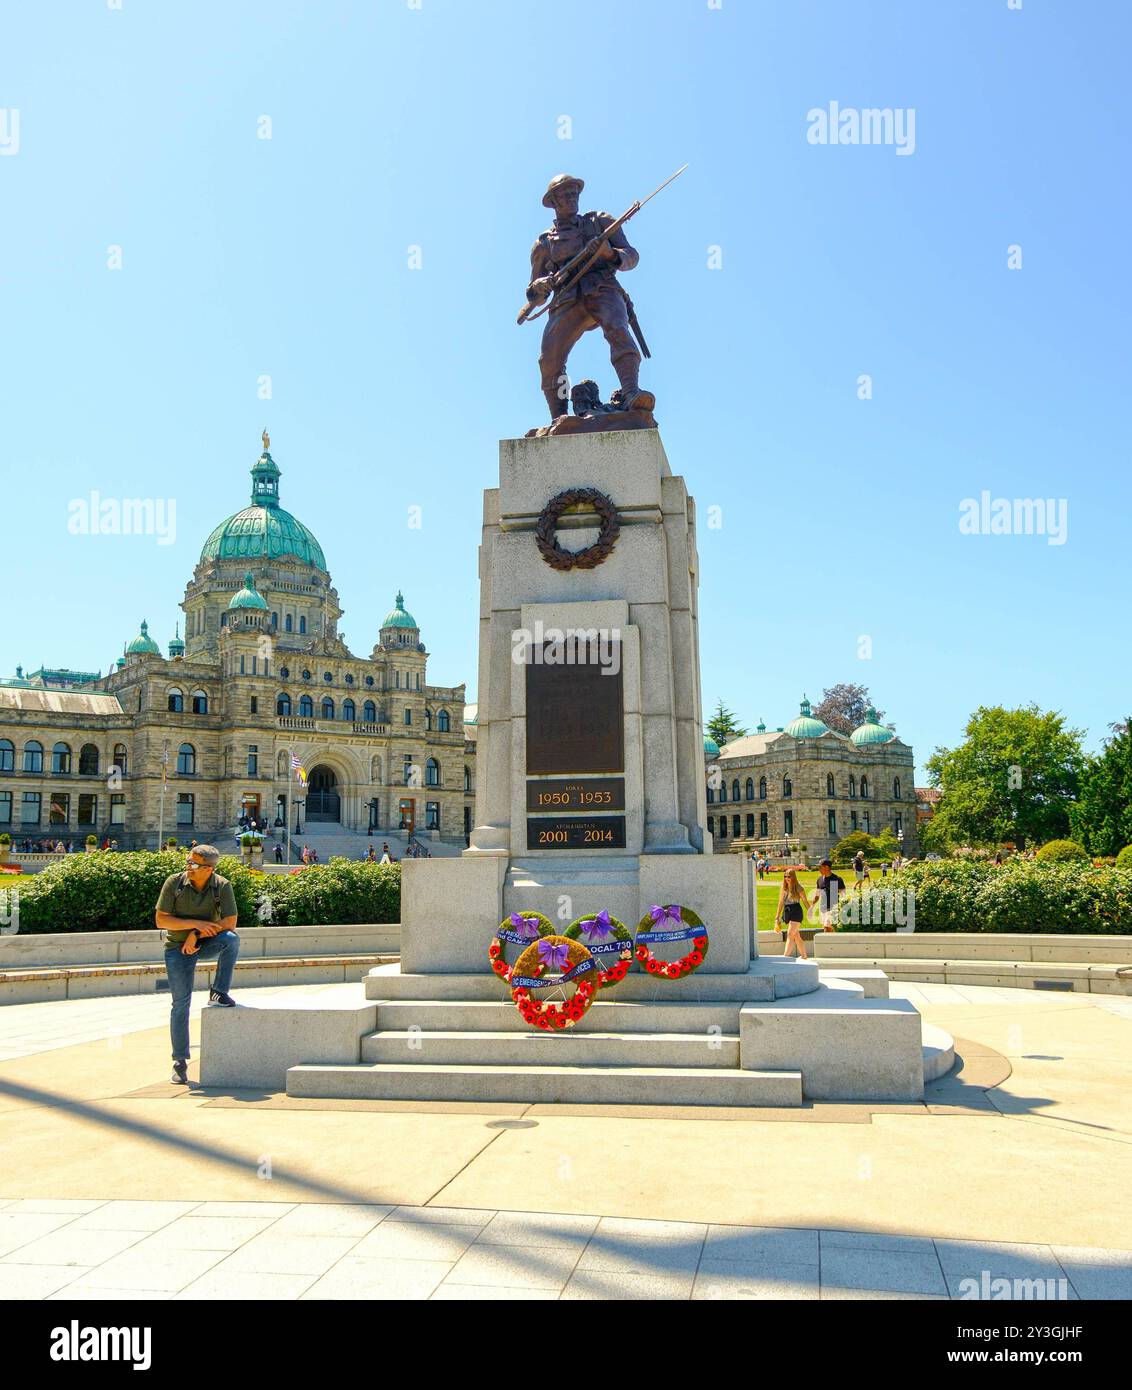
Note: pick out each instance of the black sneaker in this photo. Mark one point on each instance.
(180, 1075)
(224, 1001)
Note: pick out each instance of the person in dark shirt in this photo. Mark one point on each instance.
(197, 912)
(829, 888)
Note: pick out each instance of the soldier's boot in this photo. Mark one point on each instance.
(629, 395)
(557, 405)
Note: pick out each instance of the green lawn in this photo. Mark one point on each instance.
(768, 892)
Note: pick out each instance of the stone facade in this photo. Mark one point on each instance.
(263, 674)
(808, 791)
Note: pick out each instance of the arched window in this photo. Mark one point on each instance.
(467, 779)
(61, 758)
(7, 755)
(88, 760)
(723, 827)
(722, 790)
(750, 824)
(302, 625)
(282, 703)
(306, 707)
(443, 722)
(369, 712)
(275, 620)
(868, 827)
(787, 787)
(187, 760)
(864, 787)
(200, 702)
(896, 788)
(735, 790)
(710, 792)
(432, 773)
(762, 788)
(327, 707)
(852, 785)
(176, 701)
(287, 623)
(750, 789)
(281, 765)
(349, 710)
(120, 758)
(711, 825)
(829, 787)
(375, 769)
(224, 619)
(428, 720)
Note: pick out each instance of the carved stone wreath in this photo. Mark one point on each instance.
(593, 555)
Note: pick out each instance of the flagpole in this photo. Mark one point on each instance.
(164, 780)
(287, 807)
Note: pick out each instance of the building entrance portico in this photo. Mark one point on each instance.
(324, 802)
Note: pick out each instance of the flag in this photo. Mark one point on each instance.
(300, 770)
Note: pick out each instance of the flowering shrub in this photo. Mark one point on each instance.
(1018, 896)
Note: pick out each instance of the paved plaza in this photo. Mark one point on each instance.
(119, 1185)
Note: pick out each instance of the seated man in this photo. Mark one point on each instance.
(196, 910)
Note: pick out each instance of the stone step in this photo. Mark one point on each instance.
(767, 979)
(548, 1085)
(938, 1048)
(612, 1016)
(537, 1048)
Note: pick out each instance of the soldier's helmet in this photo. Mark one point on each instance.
(560, 181)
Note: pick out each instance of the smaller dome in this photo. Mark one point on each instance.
(870, 731)
(805, 726)
(176, 645)
(19, 680)
(711, 748)
(143, 644)
(249, 596)
(399, 617)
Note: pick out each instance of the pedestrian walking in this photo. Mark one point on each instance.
(793, 902)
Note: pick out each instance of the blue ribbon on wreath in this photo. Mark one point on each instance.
(684, 935)
(531, 982)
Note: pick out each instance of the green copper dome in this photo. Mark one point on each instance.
(176, 644)
(249, 596)
(711, 748)
(143, 644)
(263, 530)
(870, 731)
(399, 617)
(805, 726)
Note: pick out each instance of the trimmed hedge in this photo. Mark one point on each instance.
(974, 895)
(118, 892)
(1124, 858)
(1062, 852)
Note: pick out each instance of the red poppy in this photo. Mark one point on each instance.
(642, 953)
(493, 949)
(696, 958)
(701, 943)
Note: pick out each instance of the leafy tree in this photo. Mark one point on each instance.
(843, 707)
(1013, 778)
(723, 725)
(1102, 817)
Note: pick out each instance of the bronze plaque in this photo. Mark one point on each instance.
(575, 715)
(582, 794)
(576, 832)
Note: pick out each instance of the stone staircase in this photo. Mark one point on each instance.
(331, 839)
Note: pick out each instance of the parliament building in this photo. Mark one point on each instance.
(801, 788)
(192, 740)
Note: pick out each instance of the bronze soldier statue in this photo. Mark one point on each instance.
(595, 300)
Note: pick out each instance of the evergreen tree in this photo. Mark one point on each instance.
(1101, 820)
(723, 725)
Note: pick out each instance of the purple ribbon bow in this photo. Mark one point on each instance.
(553, 955)
(524, 926)
(599, 927)
(658, 915)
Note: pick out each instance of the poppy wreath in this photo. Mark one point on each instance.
(671, 924)
(520, 929)
(609, 941)
(592, 555)
(538, 968)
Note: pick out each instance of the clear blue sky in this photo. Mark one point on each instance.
(394, 126)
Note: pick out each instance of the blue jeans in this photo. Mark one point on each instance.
(180, 968)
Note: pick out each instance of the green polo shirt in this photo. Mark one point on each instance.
(179, 898)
